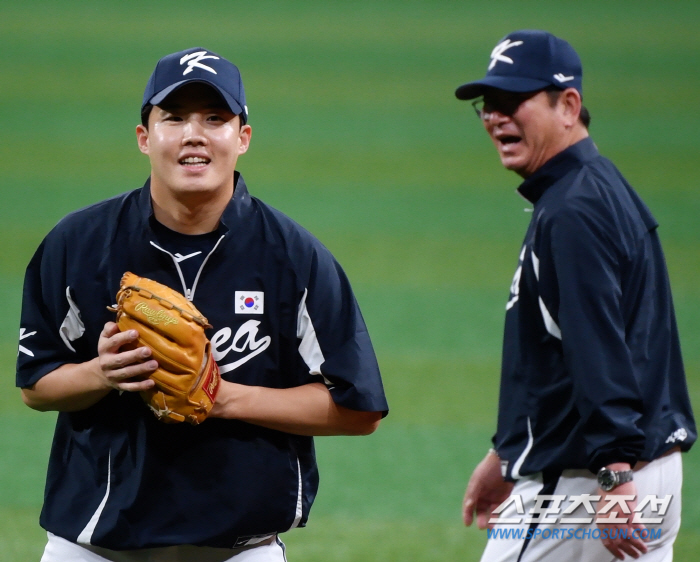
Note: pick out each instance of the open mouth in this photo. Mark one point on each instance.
(509, 139)
(194, 161)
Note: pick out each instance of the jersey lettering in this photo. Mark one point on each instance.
(22, 336)
(245, 339)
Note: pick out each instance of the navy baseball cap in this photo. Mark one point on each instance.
(197, 65)
(528, 60)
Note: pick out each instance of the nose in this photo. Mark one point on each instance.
(193, 133)
(491, 120)
(494, 117)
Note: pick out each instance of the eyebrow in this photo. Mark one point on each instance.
(176, 106)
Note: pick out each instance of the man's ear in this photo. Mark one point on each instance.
(245, 133)
(570, 106)
(142, 138)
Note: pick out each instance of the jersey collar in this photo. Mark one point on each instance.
(534, 187)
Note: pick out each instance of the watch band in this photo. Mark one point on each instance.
(610, 479)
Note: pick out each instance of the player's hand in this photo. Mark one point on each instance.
(124, 370)
(485, 492)
(632, 545)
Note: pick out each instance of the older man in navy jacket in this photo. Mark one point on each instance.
(593, 398)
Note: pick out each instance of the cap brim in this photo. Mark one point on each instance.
(233, 105)
(508, 83)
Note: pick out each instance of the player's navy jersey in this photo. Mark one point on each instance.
(283, 315)
(592, 370)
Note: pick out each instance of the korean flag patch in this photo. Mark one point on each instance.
(250, 302)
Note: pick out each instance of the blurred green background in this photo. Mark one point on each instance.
(358, 136)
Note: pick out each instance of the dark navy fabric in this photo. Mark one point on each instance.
(592, 370)
(190, 250)
(168, 484)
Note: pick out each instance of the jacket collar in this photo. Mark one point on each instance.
(235, 212)
(534, 187)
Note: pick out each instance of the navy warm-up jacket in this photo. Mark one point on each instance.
(120, 479)
(591, 370)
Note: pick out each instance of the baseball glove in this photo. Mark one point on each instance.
(187, 378)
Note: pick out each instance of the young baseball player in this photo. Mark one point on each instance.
(593, 397)
(291, 346)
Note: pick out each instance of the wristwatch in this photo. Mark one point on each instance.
(610, 479)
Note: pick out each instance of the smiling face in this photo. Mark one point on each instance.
(528, 130)
(193, 141)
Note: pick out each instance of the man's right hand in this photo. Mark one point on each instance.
(124, 370)
(485, 492)
(76, 386)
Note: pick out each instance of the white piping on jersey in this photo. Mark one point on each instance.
(309, 348)
(515, 285)
(515, 473)
(189, 293)
(298, 514)
(85, 535)
(549, 322)
(72, 327)
(535, 264)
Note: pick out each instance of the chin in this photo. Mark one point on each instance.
(199, 183)
(510, 163)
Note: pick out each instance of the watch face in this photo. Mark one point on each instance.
(606, 479)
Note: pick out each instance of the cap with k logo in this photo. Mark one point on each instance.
(197, 65)
(528, 60)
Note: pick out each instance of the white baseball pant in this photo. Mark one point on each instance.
(659, 478)
(61, 550)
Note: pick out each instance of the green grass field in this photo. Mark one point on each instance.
(358, 136)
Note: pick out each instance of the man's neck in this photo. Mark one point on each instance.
(569, 138)
(578, 134)
(196, 213)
